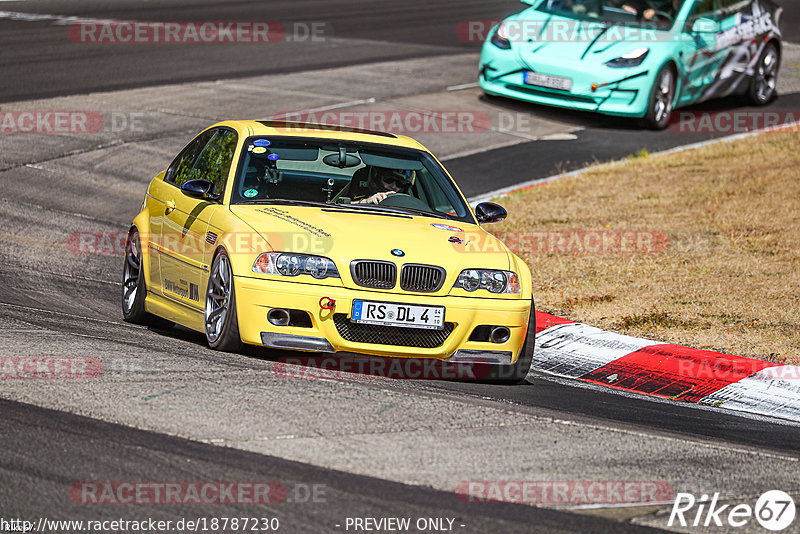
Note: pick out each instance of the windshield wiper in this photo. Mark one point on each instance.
(403, 209)
(310, 203)
(360, 207)
(423, 212)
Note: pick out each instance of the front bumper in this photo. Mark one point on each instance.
(621, 92)
(256, 297)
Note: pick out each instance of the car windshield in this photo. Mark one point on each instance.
(345, 174)
(656, 14)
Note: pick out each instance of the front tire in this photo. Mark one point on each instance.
(662, 99)
(763, 87)
(221, 322)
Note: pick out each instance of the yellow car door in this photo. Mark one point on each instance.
(185, 255)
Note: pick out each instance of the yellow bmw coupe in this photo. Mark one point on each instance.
(326, 239)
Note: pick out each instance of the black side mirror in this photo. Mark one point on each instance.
(197, 188)
(489, 212)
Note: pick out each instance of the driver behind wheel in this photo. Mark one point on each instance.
(382, 182)
(643, 10)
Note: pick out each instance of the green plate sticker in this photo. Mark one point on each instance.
(259, 150)
(250, 193)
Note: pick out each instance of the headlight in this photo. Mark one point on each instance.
(288, 264)
(633, 58)
(493, 281)
(500, 37)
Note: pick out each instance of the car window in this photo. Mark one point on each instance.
(214, 162)
(180, 169)
(717, 10)
(345, 173)
(703, 8)
(727, 12)
(656, 14)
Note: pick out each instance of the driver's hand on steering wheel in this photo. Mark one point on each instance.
(377, 198)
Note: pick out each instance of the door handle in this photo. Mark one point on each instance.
(169, 206)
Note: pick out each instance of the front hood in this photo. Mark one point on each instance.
(551, 39)
(344, 235)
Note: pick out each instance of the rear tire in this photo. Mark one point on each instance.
(516, 373)
(134, 289)
(221, 322)
(662, 99)
(763, 87)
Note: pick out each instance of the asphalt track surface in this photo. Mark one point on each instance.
(37, 59)
(317, 500)
(50, 307)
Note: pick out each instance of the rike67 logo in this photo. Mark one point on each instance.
(774, 510)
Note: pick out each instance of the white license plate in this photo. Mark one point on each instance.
(404, 315)
(543, 80)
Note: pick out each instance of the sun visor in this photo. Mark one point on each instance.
(389, 162)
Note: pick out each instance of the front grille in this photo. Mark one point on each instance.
(562, 95)
(422, 278)
(376, 274)
(391, 335)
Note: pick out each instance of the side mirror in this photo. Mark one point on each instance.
(197, 188)
(489, 212)
(705, 25)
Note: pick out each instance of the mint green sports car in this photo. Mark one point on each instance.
(634, 58)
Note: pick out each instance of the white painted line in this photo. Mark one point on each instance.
(324, 108)
(481, 150)
(619, 505)
(515, 134)
(57, 20)
(503, 191)
(463, 86)
(559, 137)
(538, 181)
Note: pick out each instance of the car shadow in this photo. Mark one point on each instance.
(297, 365)
(590, 120)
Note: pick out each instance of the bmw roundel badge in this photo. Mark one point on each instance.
(397, 252)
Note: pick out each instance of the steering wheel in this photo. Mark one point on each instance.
(400, 196)
(404, 200)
